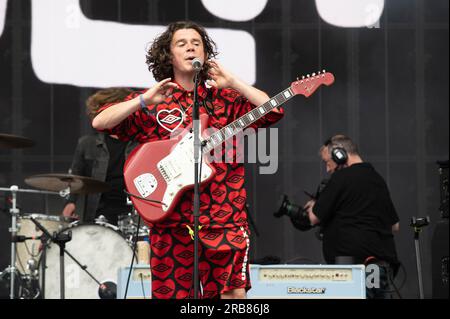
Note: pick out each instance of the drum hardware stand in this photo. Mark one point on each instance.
(15, 212)
(33, 266)
(14, 229)
(132, 258)
(417, 223)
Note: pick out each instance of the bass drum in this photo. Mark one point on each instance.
(101, 248)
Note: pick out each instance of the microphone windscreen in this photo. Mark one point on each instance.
(197, 64)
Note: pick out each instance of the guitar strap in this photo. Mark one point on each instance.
(208, 103)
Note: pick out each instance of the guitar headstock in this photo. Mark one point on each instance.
(307, 85)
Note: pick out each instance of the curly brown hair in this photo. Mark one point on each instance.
(159, 57)
(104, 96)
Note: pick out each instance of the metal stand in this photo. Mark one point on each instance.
(417, 224)
(60, 239)
(14, 189)
(197, 149)
(134, 251)
(14, 214)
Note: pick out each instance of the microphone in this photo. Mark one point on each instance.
(197, 64)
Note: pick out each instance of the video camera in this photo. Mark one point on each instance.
(298, 215)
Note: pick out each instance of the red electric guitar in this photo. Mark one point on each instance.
(158, 173)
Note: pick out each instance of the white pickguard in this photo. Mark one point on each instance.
(178, 169)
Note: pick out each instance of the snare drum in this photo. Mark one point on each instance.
(101, 248)
(29, 252)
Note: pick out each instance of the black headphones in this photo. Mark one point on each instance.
(338, 154)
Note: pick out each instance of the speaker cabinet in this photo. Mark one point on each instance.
(439, 262)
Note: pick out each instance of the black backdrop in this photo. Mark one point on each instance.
(390, 95)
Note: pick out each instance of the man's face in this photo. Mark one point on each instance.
(326, 158)
(186, 45)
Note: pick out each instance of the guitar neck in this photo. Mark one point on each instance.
(246, 120)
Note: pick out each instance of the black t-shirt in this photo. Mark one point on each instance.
(356, 215)
(114, 203)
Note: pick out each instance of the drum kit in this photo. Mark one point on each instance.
(60, 257)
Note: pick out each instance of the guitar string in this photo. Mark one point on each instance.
(156, 172)
(221, 131)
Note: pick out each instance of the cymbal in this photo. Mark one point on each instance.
(14, 141)
(59, 182)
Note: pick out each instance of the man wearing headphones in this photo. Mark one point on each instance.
(355, 212)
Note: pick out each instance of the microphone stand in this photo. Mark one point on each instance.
(417, 223)
(197, 149)
(61, 239)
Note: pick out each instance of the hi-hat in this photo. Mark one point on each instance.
(14, 141)
(59, 182)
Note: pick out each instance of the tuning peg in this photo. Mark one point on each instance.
(324, 71)
(308, 75)
(303, 77)
(298, 79)
(314, 74)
